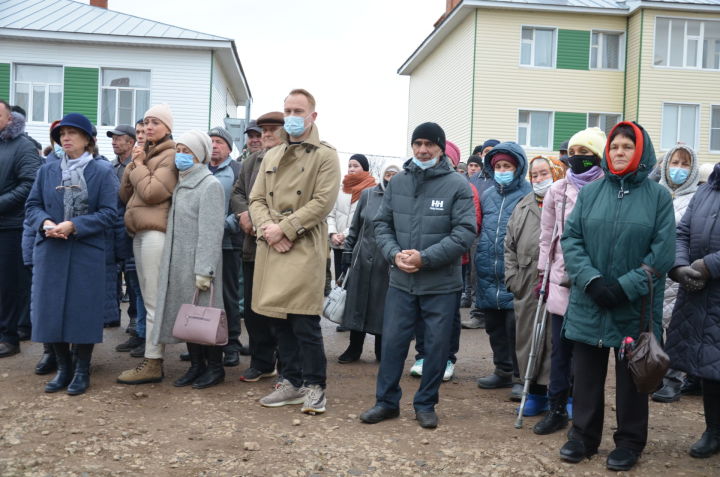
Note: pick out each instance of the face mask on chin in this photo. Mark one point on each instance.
(425, 164)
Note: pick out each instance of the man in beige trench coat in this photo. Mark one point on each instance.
(294, 192)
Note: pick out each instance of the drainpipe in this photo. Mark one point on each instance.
(642, 30)
(248, 104)
(472, 94)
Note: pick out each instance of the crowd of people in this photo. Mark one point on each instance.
(587, 237)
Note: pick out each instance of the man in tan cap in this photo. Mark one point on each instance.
(295, 190)
(263, 344)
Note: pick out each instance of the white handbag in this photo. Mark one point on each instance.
(334, 305)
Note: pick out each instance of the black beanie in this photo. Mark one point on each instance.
(430, 131)
(362, 160)
(475, 159)
(478, 149)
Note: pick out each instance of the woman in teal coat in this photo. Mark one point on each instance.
(619, 224)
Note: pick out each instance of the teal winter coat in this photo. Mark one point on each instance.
(618, 224)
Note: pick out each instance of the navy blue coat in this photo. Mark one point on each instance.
(693, 340)
(497, 205)
(69, 276)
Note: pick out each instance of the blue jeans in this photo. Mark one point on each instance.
(402, 313)
(454, 338)
(133, 284)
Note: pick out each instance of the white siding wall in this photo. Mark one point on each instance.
(180, 78)
(223, 103)
(441, 88)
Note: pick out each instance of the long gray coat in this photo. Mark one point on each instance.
(369, 278)
(193, 246)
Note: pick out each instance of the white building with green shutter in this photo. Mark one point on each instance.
(536, 71)
(61, 56)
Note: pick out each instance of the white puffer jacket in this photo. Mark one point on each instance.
(681, 200)
(341, 216)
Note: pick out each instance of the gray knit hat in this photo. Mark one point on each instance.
(223, 134)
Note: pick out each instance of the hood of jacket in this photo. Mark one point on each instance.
(515, 150)
(647, 158)
(442, 168)
(691, 183)
(14, 128)
(392, 163)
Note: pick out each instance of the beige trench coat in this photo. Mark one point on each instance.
(521, 275)
(296, 188)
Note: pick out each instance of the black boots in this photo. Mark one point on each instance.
(215, 372)
(64, 368)
(47, 363)
(709, 443)
(197, 365)
(556, 418)
(354, 351)
(81, 380)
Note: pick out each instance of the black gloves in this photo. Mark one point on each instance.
(689, 277)
(606, 295)
(700, 266)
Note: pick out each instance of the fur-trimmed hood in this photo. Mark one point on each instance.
(15, 127)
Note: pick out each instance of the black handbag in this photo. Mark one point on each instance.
(648, 363)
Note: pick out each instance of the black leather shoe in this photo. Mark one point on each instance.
(349, 356)
(232, 358)
(426, 419)
(622, 458)
(47, 363)
(667, 393)
(494, 382)
(8, 349)
(129, 345)
(691, 386)
(378, 413)
(708, 445)
(243, 350)
(574, 451)
(214, 373)
(112, 324)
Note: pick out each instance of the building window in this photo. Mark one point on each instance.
(607, 50)
(537, 47)
(603, 121)
(687, 43)
(715, 129)
(679, 125)
(38, 90)
(534, 129)
(125, 96)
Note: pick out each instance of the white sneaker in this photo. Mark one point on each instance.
(314, 399)
(449, 371)
(285, 393)
(416, 369)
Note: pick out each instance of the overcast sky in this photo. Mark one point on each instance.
(346, 53)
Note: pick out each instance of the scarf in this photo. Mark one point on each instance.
(75, 195)
(581, 180)
(356, 183)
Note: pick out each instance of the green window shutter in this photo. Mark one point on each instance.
(573, 50)
(81, 92)
(567, 124)
(5, 82)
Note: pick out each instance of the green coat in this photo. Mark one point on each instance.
(618, 223)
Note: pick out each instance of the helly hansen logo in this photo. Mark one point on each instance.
(436, 205)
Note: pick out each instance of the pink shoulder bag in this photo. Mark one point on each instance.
(203, 325)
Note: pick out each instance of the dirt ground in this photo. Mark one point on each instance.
(161, 430)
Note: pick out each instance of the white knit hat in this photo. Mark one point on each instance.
(592, 138)
(163, 113)
(199, 143)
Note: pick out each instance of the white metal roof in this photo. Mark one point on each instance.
(74, 17)
(607, 7)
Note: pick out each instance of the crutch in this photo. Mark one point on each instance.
(538, 331)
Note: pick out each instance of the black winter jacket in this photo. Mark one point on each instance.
(19, 163)
(430, 211)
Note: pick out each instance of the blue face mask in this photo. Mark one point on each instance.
(678, 175)
(183, 161)
(426, 164)
(59, 151)
(295, 125)
(504, 178)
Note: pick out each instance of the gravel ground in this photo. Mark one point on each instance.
(162, 430)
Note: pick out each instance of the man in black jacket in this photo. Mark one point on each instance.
(425, 224)
(19, 162)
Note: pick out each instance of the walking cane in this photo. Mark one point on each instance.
(538, 331)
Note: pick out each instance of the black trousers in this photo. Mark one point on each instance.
(454, 337)
(263, 343)
(14, 285)
(232, 266)
(500, 327)
(590, 365)
(560, 360)
(301, 349)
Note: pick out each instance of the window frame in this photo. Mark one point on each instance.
(117, 90)
(621, 50)
(587, 117)
(710, 149)
(696, 138)
(551, 129)
(532, 48)
(29, 110)
(700, 39)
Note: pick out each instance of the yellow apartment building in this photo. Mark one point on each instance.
(537, 71)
